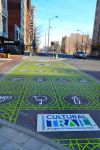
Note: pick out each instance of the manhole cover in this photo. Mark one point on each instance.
(39, 79)
(39, 99)
(16, 79)
(76, 100)
(6, 98)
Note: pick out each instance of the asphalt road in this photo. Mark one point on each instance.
(89, 66)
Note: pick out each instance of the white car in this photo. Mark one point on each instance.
(80, 54)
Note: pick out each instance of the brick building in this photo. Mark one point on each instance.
(27, 17)
(32, 22)
(3, 19)
(19, 23)
(76, 42)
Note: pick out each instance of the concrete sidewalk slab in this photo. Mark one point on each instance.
(14, 137)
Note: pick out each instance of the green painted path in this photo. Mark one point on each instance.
(58, 81)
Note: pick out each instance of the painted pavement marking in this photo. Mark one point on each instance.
(39, 99)
(80, 144)
(76, 100)
(65, 123)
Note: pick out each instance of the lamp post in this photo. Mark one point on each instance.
(46, 39)
(82, 39)
(77, 41)
(49, 28)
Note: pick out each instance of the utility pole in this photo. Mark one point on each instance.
(49, 29)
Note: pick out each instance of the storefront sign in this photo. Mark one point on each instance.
(65, 122)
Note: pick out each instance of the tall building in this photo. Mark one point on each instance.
(76, 42)
(32, 23)
(27, 15)
(16, 23)
(19, 23)
(3, 19)
(95, 51)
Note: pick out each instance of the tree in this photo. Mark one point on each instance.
(55, 46)
(77, 45)
(36, 40)
(87, 43)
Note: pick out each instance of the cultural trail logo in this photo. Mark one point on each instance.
(6, 98)
(65, 122)
(76, 100)
(39, 99)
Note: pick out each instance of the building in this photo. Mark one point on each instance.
(95, 50)
(3, 19)
(27, 16)
(19, 23)
(32, 23)
(75, 42)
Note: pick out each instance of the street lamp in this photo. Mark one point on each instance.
(82, 39)
(49, 28)
(77, 41)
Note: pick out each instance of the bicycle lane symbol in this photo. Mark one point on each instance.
(76, 100)
(4, 98)
(40, 99)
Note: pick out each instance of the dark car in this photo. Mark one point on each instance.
(80, 54)
(2, 50)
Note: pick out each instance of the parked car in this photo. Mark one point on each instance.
(80, 54)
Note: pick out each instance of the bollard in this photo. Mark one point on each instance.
(53, 57)
(56, 56)
(8, 55)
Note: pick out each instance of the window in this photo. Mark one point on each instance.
(4, 4)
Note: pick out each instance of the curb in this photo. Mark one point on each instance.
(33, 134)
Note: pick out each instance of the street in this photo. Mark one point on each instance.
(89, 66)
(41, 87)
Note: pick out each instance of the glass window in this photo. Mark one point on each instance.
(4, 23)
(4, 4)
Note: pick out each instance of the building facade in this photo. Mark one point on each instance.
(3, 19)
(95, 50)
(76, 42)
(32, 23)
(19, 23)
(27, 15)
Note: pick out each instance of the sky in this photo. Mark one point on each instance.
(72, 15)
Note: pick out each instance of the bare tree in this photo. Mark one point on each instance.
(76, 45)
(36, 40)
(56, 46)
(87, 44)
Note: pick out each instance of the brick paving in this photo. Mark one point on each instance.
(6, 64)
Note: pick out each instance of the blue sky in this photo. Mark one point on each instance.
(73, 15)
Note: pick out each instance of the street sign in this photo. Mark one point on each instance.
(65, 122)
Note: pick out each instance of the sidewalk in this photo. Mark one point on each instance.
(14, 137)
(7, 64)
